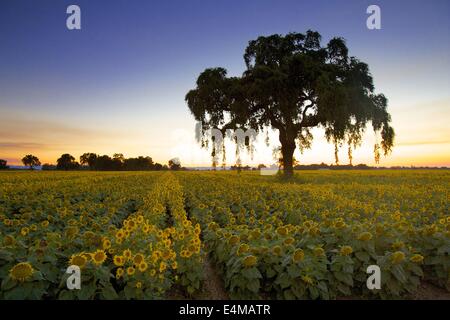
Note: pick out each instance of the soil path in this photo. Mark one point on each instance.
(213, 286)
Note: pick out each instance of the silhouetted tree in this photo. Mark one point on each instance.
(104, 163)
(139, 163)
(31, 161)
(88, 159)
(3, 165)
(117, 161)
(67, 162)
(119, 157)
(293, 84)
(158, 166)
(174, 164)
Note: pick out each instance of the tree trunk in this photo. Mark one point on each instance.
(287, 151)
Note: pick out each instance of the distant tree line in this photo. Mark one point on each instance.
(117, 162)
(332, 167)
(92, 161)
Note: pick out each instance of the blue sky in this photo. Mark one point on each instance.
(118, 84)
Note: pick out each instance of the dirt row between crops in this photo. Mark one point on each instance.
(213, 286)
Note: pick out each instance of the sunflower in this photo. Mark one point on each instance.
(106, 244)
(78, 260)
(289, 241)
(397, 257)
(166, 254)
(276, 250)
(127, 254)
(365, 236)
(156, 254)
(174, 265)
(186, 223)
(417, 258)
(318, 251)
(131, 271)
(143, 266)
(201, 206)
(9, 240)
(138, 258)
(397, 245)
(162, 266)
(72, 231)
(282, 231)
(249, 261)
(138, 284)
(233, 240)
(184, 253)
(346, 250)
(98, 257)
(213, 226)
(243, 248)
(45, 223)
(119, 261)
(340, 225)
(24, 231)
(298, 255)
(119, 273)
(192, 248)
(21, 271)
(130, 225)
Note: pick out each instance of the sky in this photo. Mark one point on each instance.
(118, 84)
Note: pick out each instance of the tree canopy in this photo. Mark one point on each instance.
(292, 84)
(31, 161)
(67, 162)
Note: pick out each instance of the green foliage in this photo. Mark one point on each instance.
(292, 83)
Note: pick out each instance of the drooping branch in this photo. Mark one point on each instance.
(293, 84)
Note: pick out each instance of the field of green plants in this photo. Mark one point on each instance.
(144, 235)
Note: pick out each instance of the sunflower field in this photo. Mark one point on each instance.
(142, 235)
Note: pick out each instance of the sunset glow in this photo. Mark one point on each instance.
(120, 87)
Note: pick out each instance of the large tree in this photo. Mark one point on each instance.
(89, 159)
(67, 162)
(31, 161)
(292, 84)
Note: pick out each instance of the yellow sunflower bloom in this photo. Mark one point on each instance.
(21, 271)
